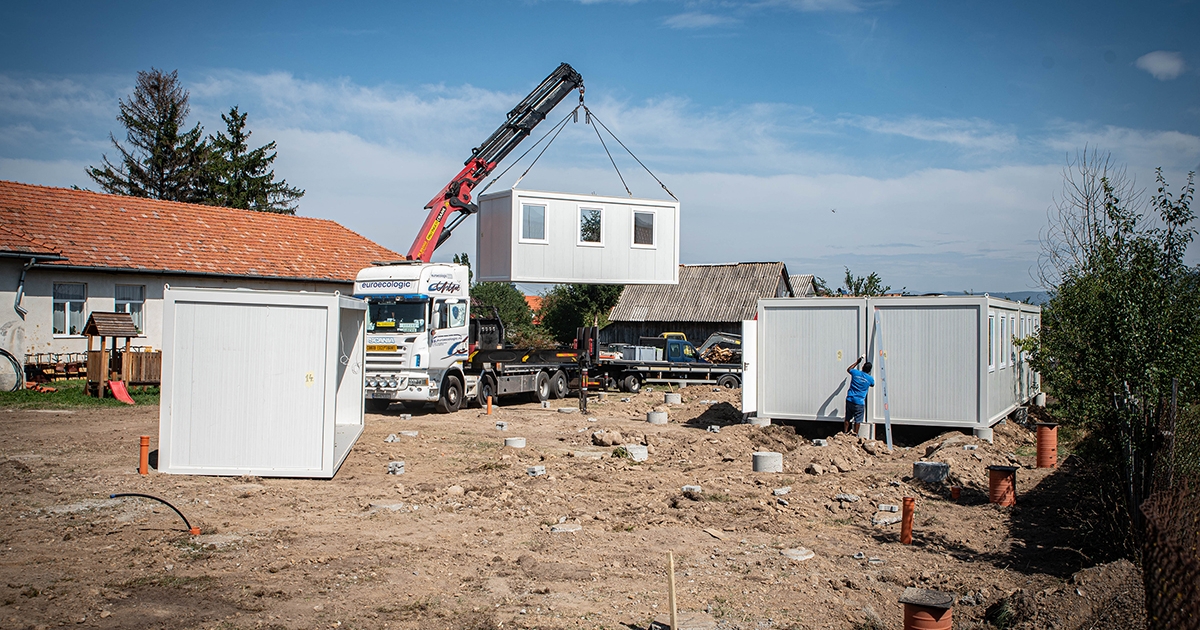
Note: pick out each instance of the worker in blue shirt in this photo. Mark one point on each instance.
(856, 396)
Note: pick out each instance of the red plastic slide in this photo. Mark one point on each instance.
(120, 392)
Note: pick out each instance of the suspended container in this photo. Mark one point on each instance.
(266, 383)
(950, 361)
(548, 237)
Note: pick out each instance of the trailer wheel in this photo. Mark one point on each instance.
(451, 399)
(729, 381)
(375, 405)
(631, 383)
(541, 388)
(558, 385)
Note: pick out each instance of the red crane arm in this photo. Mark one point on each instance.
(456, 196)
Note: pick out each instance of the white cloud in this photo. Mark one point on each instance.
(757, 181)
(1163, 65)
(814, 6)
(697, 20)
(971, 134)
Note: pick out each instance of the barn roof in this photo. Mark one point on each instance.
(705, 293)
(112, 232)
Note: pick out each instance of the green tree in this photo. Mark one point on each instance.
(864, 286)
(569, 306)
(162, 161)
(241, 177)
(1124, 318)
(507, 301)
(464, 259)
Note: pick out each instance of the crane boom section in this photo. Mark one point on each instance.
(456, 196)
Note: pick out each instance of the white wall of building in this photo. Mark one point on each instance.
(33, 333)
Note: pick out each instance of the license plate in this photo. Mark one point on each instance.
(381, 347)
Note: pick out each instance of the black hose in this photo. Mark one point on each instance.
(195, 531)
(18, 373)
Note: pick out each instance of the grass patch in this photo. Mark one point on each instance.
(70, 395)
(1026, 450)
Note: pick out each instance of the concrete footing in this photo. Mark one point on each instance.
(637, 452)
(766, 461)
(984, 434)
(656, 417)
(758, 422)
(671, 398)
(515, 442)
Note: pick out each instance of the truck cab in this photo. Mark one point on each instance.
(673, 349)
(418, 318)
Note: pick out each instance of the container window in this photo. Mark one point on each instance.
(1011, 347)
(533, 223)
(643, 229)
(130, 298)
(991, 342)
(591, 226)
(69, 299)
(1000, 341)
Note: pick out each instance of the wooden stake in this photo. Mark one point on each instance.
(671, 589)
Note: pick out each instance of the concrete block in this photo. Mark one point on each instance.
(692, 489)
(391, 438)
(847, 498)
(515, 442)
(672, 398)
(408, 434)
(535, 471)
(545, 404)
(766, 461)
(656, 417)
(820, 442)
(781, 491)
(406, 416)
(799, 554)
(714, 428)
(984, 434)
(884, 520)
(395, 468)
(755, 421)
(931, 472)
(568, 410)
(637, 452)
(565, 528)
(501, 426)
(885, 507)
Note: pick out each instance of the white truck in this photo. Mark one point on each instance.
(417, 334)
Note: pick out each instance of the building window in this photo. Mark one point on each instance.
(130, 299)
(991, 342)
(643, 229)
(69, 299)
(591, 226)
(533, 223)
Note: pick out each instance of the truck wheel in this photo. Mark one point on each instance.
(451, 398)
(558, 385)
(541, 388)
(631, 383)
(486, 388)
(729, 381)
(377, 406)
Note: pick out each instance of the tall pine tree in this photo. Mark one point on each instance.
(240, 177)
(163, 161)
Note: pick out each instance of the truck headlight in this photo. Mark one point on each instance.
(392, 383)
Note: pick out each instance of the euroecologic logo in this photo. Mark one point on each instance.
(444, 287)
(386, 284)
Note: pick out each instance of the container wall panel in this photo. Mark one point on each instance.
(932, 356)
(512, 247)
(804, 347)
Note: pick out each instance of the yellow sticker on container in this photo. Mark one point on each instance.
(839, 355)
(309, 379)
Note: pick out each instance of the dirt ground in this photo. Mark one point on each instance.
(465, 538)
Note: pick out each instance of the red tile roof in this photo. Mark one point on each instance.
(115, 232)
(15, 243)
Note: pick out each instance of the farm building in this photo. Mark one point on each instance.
(707, 299)
(67, 253)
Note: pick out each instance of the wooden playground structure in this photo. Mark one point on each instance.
(113, 367)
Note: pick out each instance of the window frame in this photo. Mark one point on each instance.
(140, 319)
(521, 238)
(579, 226)
(55, 301)
(1000, 359)
(633, 228)
(991, 333)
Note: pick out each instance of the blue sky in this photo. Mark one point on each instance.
(937, 131)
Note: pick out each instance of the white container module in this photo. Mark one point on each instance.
(532, 236)
(266, 383)
(950, 361)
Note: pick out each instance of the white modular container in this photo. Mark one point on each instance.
(531, 236)
(749, 367)
(950, 361)
(266, 383)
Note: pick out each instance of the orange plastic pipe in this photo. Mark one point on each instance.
(489, 411)
(144, 464)
(906, 521)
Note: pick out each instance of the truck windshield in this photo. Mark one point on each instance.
(393, 316)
